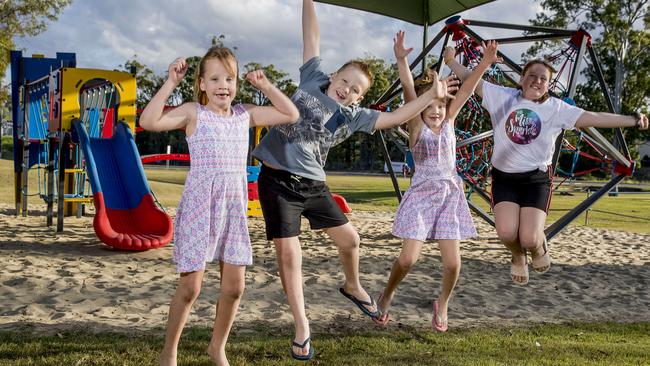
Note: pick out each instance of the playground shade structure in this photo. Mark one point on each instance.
(419, 12)
(126, 214)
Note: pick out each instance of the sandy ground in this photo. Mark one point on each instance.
(72, 280)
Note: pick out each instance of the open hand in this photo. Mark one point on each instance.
(258, 79)
(448, 54)
(490, 51)
(398, 46)
(452, 83)
(177, 70)
(441, 89)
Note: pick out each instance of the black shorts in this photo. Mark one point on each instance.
(284, 197)
(528, 189)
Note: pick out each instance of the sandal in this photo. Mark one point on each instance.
(436, 320)
(519, 270)
(362, 305)
(383, 317)
(306, 357)
(542, 263)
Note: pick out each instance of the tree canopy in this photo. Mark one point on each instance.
(19, 18)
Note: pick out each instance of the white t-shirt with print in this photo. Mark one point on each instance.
(525, 131)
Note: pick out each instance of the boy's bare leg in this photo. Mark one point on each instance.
(347, 240)
(289, 257)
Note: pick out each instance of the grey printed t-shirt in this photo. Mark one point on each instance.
(301, 148)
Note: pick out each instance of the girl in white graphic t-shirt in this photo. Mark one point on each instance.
(526, 122)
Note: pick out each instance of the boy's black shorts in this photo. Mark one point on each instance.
(528, 189)
(284, 197)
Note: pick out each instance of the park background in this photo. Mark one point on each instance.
(67, 299)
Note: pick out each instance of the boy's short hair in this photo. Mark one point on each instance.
(363, 66)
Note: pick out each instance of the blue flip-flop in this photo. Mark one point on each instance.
(306, 357)
(362, 304)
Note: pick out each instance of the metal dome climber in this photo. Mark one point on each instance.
(580, 151)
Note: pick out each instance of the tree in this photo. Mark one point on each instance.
(147, 81)
(621, 40)
(19, 18)
(248, 93)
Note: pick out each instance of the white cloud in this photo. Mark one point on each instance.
(104, 34)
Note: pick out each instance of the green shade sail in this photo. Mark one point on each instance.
(418, 12)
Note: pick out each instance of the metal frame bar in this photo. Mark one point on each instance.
(608, 99)
(528, 28)
(539, 37)
(565, 220)
(393, 177)
(64, 141)
(479, 211)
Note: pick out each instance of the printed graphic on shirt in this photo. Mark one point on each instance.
(523, 126)
(310, 131)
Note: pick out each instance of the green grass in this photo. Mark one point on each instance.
(567, 344)
(629, 212)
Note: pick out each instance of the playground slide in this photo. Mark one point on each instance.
(126, 215)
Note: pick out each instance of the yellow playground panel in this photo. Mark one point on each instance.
(66, 85)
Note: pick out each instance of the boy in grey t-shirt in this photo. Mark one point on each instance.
(292, 180)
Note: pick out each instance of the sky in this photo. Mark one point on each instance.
(105, 34)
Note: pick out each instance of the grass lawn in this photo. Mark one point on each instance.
(568, 344)
(627, 212)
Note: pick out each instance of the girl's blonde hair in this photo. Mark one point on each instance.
(227, 58)
(425, 82)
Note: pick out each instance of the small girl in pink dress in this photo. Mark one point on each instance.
(434, 207)
(211, 218)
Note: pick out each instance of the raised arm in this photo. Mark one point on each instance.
(611, 120)
(408, 85)
(461, 71)
(153, 118)
(310, 32)
(405, 76)
(411, 109)
(473, 79)
(283, 109)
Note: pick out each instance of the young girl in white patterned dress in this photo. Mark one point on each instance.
(211, 218)
(434, 207)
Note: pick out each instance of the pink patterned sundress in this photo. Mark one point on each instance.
(434, 207)
(211, 217)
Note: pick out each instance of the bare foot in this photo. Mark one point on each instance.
(167, 358)
(217, 356)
